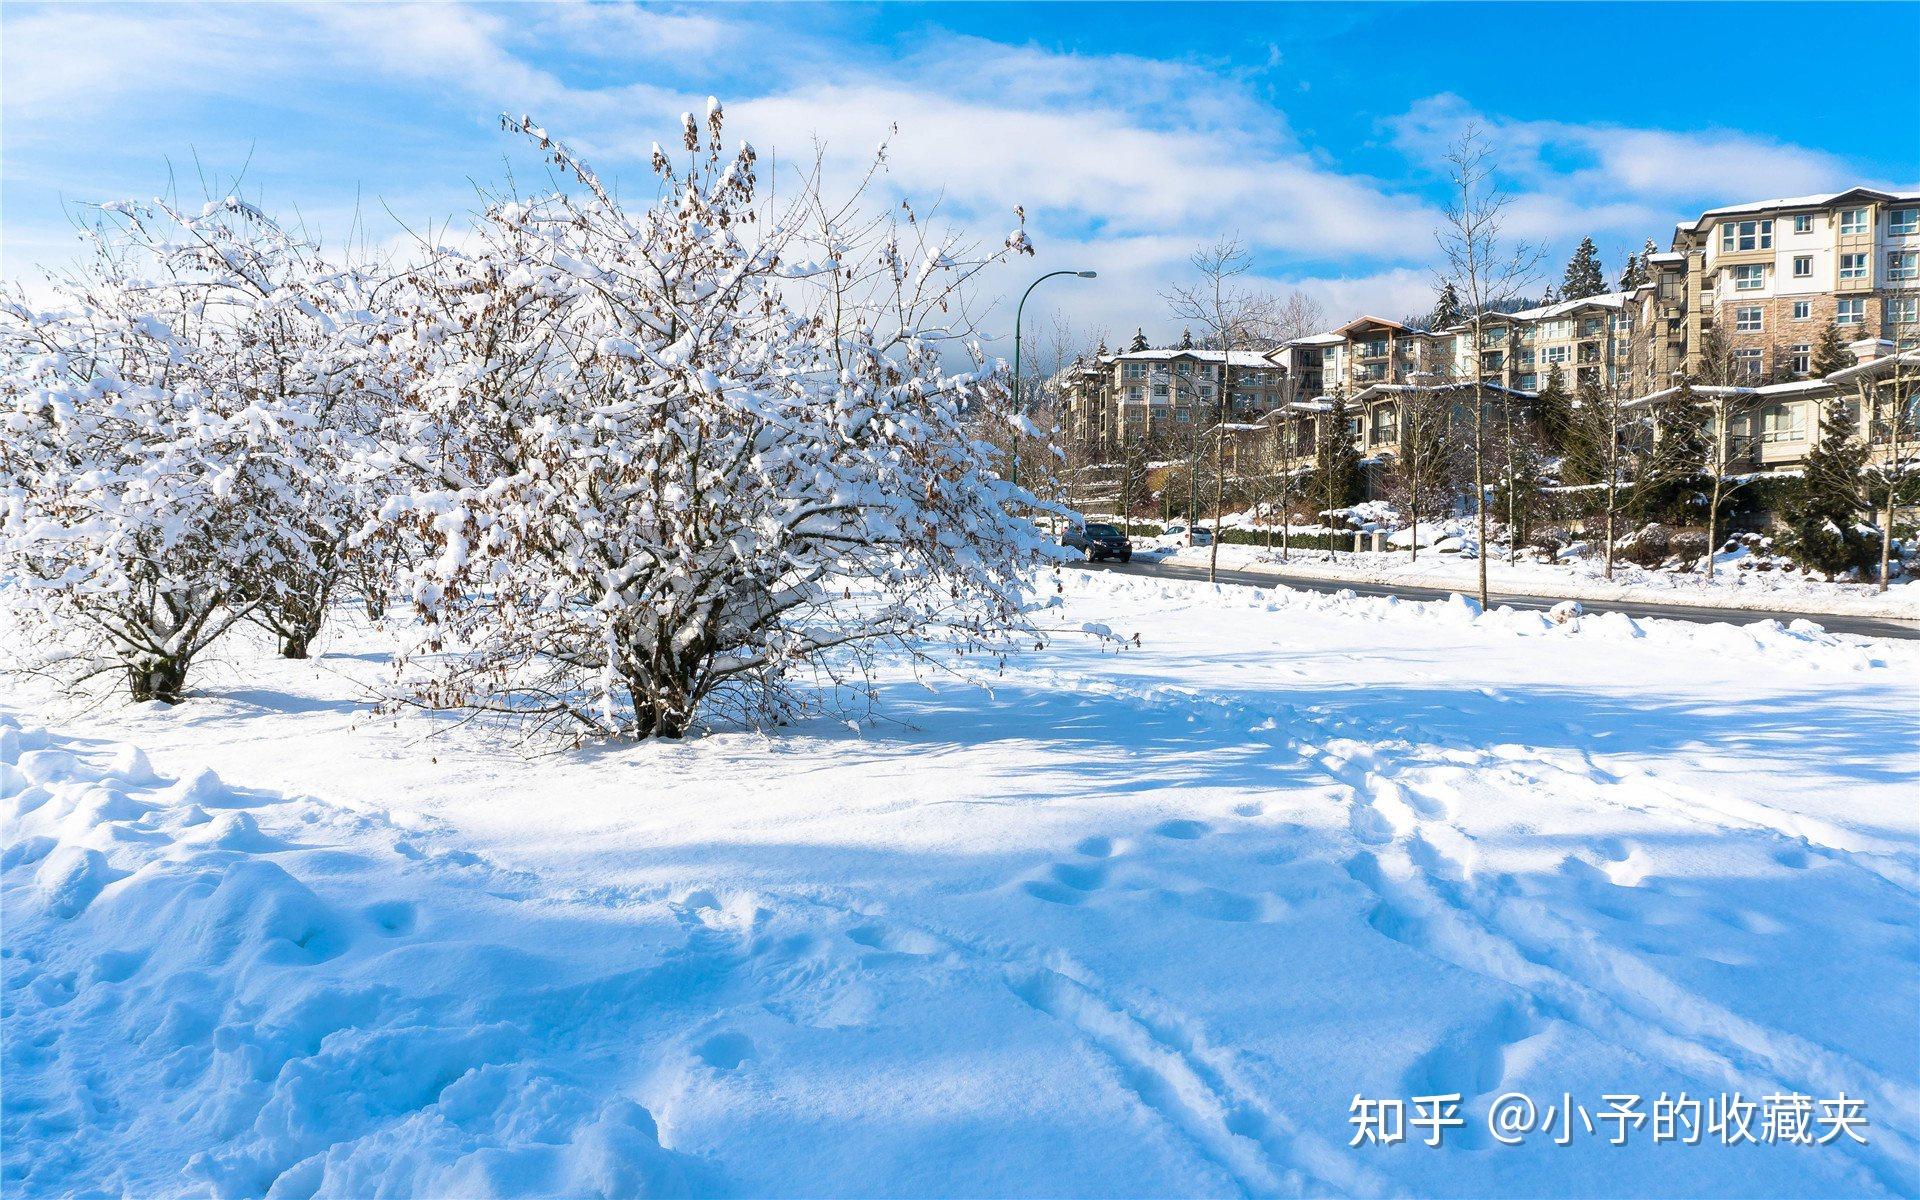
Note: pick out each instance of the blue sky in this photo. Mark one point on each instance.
(1130, 133)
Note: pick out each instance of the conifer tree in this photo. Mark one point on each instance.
(1822, 513)
(1583, 276)
(1336, 468)
(1446, 309)
(1553, 410)
(1830, 354)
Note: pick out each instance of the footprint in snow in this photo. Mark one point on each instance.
(725, 1051)
(1183, 830)
(893, 939)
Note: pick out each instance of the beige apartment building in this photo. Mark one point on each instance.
(1768, 275)
(1141, 394)
(1771, 274)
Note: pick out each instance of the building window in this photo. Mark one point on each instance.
(1853, 266)
(1746, 320)
(1903, 264)
(1903, 220)
(1136, 370)
(1851, 311)
(1553, 354)
(1749, 278)
(1385, 425)
(1182, 415)
(1783, 423)
(1137, 394)
(1529, 383)
(1853, 221)
(1206, 391)
(1746, 235)
(1803, 266)
(1800, 358)
(1803, 310)
(1159, 391)
(1746, 364)
(1803, 223)
(1903, 310)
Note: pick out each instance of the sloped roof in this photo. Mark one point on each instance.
(1365, 319)
(1241, 358)
(1791, 202)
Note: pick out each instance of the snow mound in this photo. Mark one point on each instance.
(204, 985)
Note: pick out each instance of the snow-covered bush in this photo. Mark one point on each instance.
(660, 457)
(310, 349)
(183, 426)
(140, 484)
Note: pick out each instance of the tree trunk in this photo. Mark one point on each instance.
(1713, 523)
(1480, 503)
(1413, 502)
(1219, 480)
(1886, 536)
(1608, 528)
(299, 633)
(163, 680)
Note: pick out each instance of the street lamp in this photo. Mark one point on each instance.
(1018, 310)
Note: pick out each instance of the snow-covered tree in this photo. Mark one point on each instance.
(665, 456)
(155, 450)
(1446, 307)
(1583, 277)
(1235, 319)
(1890, 396)
(1422, 481)
(1336, 482)
(1822, 512)
(1488, 274)
(1830, 354)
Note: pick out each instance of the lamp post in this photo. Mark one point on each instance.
(1018, 310)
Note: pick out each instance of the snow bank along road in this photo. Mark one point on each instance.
(1136, 923)
(1884, 627)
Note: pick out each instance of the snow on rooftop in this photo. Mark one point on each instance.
(1548, 311)
(1241, 358)
(1818, 201)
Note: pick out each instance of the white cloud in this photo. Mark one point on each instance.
(1123, 162)
(1624, 172)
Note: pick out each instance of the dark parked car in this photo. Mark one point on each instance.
(1098, 542)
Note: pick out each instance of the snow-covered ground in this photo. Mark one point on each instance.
(1575, 579)
(1135, 923)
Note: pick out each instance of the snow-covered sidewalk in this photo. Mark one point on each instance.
(1731, 587)
(1136, 923)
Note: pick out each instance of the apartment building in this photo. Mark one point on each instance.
(1142, 393)
(1770, 427)
(1767, 275)
(1771, 274)
(1589, 340)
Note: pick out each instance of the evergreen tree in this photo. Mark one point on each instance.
(1553, 412)
(1138, 343)
(1523, 471)
(1583, 276)
(1631, 275)
(1685, 437)
(1822, 512)
(1336, 481)
(1830, 354)
(1446, 309)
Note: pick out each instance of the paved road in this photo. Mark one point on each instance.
(1864, 626)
